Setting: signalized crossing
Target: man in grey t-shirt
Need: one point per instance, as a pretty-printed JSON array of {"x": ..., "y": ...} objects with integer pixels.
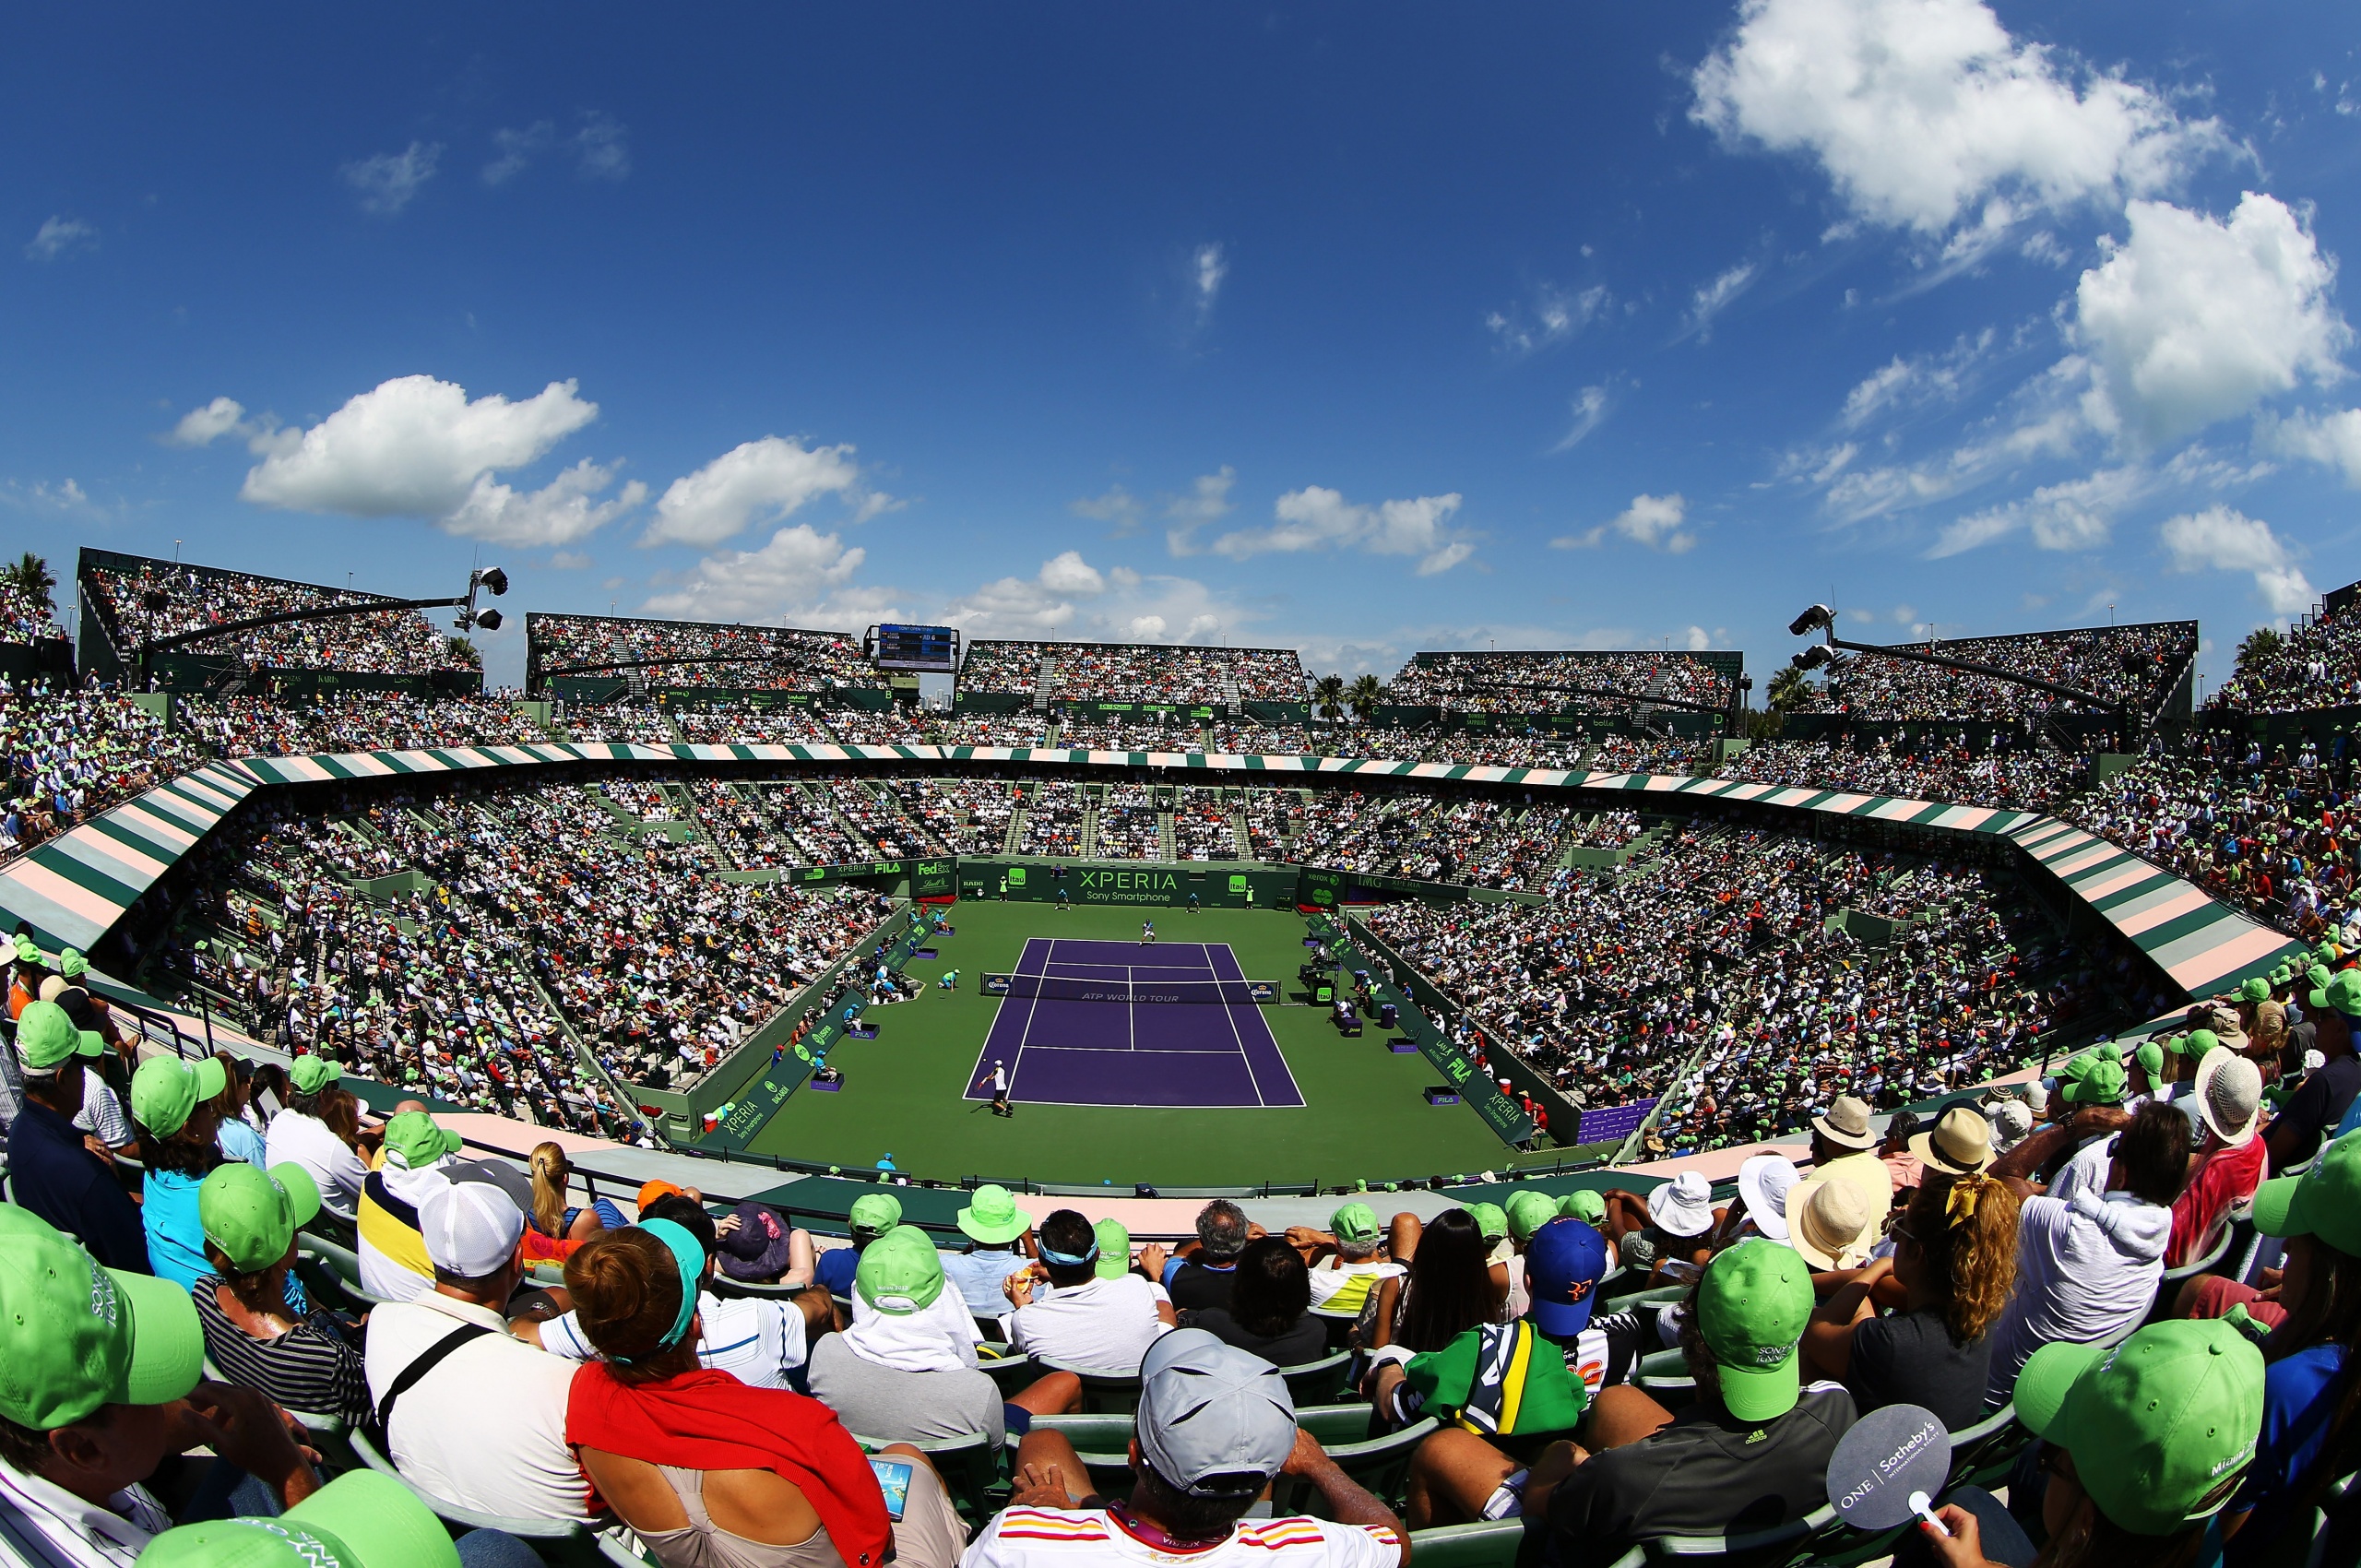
[{"x": 905, "y": 1371}]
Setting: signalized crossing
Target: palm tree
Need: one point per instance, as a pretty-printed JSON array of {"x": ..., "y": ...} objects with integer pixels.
[
  {"x": 32, "y": 576},
  {"x": 2262, "y": 647},
  {"x": 462, "y": 650},
  {"x": 1364, "y": 695},
  {"x": 1328, "y": 694},
  {"x": 1788, "y": 689}
]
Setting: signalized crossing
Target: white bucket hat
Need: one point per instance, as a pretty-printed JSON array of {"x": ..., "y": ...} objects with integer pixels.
[
  {"x": 1763, "y": 1184},
  {"x": 1683, "y": 1206}
]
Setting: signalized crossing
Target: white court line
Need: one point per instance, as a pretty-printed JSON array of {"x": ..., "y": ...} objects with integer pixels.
[{"x": 1231, "y": 1019}]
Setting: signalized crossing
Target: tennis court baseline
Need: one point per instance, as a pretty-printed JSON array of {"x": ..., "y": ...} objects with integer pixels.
[{"x": 1129, "y": 1048}]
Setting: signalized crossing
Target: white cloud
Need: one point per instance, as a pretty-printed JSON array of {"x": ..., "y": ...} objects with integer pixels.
[
  {"x": 2223, "y": 540},
  {"x": 1590, "y": 408},
  {"x": 2195, "y": 319},
  {"x": 61, "y": 236},
  {"x": 795, "y": 573},
  {"x": 388, "y": 181},
  {"x": 571, "y": 561},
  {"x": 1699, "y": 640},
  {"x": 1923, "y": 110},
  {"x": 202, "y": 427},
  {"x": 1208, "y": 267},
  {"x": 2331, "y": 440},
  {"x": 757, "y": 481},
  {"x": 1069, "y": 573},
  {"x": 1117, "y": 506},
  {"x": 412, "y": 447},
  {"x": 2076, "y": 514},
  {"x": 561, "y": 511},
  {"x": 602, "y": 147},
  {"x": 1918, "y": 380},
  {"x": 67, "y": 495},
  {"x": 1716, "y": 297},
  {"x": 1654, "y": 521},
  {"x": 1206, "y": 501},
  {"x": 518, "y": 148},
  {"x": 1317, "y": 517},
  {"x": 1554, "y": 315}
]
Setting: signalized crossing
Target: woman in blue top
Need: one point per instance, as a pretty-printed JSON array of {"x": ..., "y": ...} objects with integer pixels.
[
  {"x": 2311, "y": 1390},
  {"x": 172, "y": 1100}
]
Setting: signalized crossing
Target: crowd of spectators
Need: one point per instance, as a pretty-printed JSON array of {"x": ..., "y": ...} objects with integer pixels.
[
  {"x": 1712, "y": 975},
  {"x": 1010, "y": 729},
  {"x": 1630, "y": 753},
  {"x": 72, "y": 754},
  {"x": 2136, "y": 665},
  {"x": 533, "y": 926},
  {"x": 1247, "y": 738},
  {"x": 1554, "y": 683},
  {"x": 1203, "y": 826},
  {"x": 353, "y": 721},
  {"x": 396, "y": 642},
  {"x": 2316, "y": 665},
  {"x": 1113, "y": 734},
  {"x": 781, "y": 658},
  {"x": 2268, "y": 830},
  {"x": 23, "y": 617},
  {"x": 1928, "y": 767},
  {"x": 1156, "y": 673},
  {"x": 1053, "y": 819},
  {"x": 1129, "y": 827}
]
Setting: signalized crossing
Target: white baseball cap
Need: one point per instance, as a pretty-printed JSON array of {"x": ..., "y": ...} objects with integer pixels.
[{"x": 472, "y": 1228}]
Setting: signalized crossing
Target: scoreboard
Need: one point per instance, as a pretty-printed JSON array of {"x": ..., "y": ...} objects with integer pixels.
[{"x": 926, "y": 648}]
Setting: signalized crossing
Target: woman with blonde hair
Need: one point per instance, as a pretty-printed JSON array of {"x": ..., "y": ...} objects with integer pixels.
[
  {"x": 1956, "y": 1259},
  {"x": 551, "y": 1215}
]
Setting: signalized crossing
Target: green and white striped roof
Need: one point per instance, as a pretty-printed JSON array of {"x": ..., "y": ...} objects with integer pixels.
[{"x": 73, "y": 889}]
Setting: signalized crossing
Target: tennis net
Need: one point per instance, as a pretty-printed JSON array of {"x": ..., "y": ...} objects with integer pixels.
[{"x": 1059, "y": 987}]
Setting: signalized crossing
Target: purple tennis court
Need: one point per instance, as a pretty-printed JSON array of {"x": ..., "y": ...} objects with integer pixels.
[{"x": 1067, "y": 1050}]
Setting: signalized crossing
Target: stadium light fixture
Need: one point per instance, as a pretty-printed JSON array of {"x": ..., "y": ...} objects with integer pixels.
[
  {"x": 1812, "y": 620},
  {"x": 1813, "y": 656}
]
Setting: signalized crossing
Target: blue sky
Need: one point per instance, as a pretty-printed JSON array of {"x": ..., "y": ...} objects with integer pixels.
[{"x": 1360, "y": 328}]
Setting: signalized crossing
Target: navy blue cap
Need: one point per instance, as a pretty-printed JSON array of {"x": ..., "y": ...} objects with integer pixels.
[{"x": 1561, "y": 1255}]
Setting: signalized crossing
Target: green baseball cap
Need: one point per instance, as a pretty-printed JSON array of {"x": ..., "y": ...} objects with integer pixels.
[
  {"x": 45, "y": 1036},
  {"x": 1491, "y": 1219},
  {"x": 2341, "y": 993},
  {"x": 2256, "y": 989},
  {"x": 362, "y": 1519},
  {"x": 2324, "y": 1202},
  {"x": 2150, "y": 1057},
  {"x": 26, "y": 952},
  {"x": 416, "y": 1140},
  {"x": 2196, "y": 1043},
  {"x": 313, "y": 1074},
  {"x": 991, "y": 1215},
  {"x": 2156, "y": 1423},
  {"x": 875, "y": 1213},
  {"x": 166, "y": 1091},
  {"x": 1114, "y": 1249},
  {"x": 252, "y": 1213},
  {"x": 72, "y": 965},
  {"x": 1356, "y": 1223},
  {"x": 75, "y": 1335},
  {"x": 1586, "y": 1206},
  {"x": 1528, "y": 1212},
  {"x": 2319, "y": 975},
  {"x": 1752, "y": 1306},
  {"x": 899, "y": 1272},
  {"x": 2101, "y": 1083}
]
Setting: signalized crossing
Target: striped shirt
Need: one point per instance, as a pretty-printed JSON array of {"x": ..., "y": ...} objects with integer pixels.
[
  {"x": 311, "y": 1367},
  {"x": 1021, "y": 1538}
]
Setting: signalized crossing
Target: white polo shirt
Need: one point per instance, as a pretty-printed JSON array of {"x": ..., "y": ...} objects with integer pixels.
[
  {"x": 1104, "y": 1325},
  {"x": 307, "y": 1141},
  {"x": 486, "y": 1427}
]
